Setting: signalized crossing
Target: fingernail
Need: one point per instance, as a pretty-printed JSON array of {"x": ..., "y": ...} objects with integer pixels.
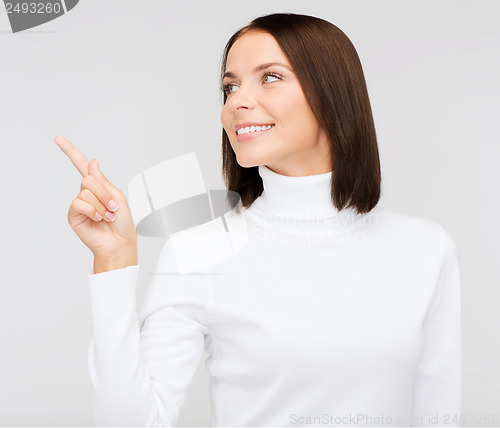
[
  {"x": 112, "y": 205},
  {"x": 110, "y": 216}
]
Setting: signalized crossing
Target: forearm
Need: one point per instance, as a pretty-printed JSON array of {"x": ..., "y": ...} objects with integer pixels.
[{"x": 121, "y": 389}]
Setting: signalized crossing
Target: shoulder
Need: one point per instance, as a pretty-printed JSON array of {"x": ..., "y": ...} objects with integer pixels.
[
  {"x": 412, "y": 234},
  {"x": 408, "y": 225}
]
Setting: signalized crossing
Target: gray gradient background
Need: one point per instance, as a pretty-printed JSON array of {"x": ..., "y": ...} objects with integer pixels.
[{"x": 135, "y": 83}]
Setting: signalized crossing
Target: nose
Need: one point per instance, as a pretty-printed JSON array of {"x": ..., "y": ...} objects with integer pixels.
[{"x": 243, "y": 98}]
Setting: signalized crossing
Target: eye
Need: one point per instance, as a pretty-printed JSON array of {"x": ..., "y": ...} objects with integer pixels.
[
  {"x": 274, "y": 75},
  {"x": 226, "y": 88}
]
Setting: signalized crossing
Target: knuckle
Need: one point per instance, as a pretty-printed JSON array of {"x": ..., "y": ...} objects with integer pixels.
[
  {"x": 85, "y": 193},
  {"x": 86, "y": 181},
  {"x": 72, "y": 208}
]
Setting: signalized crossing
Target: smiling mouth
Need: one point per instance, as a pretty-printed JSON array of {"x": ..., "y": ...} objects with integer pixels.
[
  {"x": 253, "y": 129},
  {"x": 254, "y": 134}
]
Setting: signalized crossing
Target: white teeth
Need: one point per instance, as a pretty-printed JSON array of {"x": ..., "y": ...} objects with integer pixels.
[{"x": 248, "y": 129}]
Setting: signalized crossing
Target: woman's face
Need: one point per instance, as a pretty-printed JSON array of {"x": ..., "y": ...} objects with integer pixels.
[{"x": 295, "y": 145}]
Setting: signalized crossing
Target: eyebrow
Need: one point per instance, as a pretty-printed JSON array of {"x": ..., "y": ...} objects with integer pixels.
[{"x": 259, "y": 68}]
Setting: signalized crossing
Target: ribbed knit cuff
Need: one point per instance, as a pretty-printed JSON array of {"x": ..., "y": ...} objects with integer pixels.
[{"x": 113, "y": 291}]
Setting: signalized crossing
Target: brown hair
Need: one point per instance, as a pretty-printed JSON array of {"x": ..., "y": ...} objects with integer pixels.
[{"x": 330, "y": 74}]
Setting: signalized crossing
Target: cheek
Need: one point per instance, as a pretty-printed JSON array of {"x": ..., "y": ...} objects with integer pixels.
[
  {"x": 224, "y": 117},
  {"x": 298, "y": 120},
  {"x": 226, "y": 120}
]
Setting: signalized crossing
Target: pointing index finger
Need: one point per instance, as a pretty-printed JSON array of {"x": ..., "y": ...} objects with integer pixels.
[{"x": 78, "y": 158}]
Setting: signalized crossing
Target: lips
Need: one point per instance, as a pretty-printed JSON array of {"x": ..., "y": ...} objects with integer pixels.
[
  {"x": 245, "y": 124},
  {"x": 253, "y": 135}
]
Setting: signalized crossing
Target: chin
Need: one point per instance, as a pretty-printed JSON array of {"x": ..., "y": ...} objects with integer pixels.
[
  {"x": 247, "y": 163},
  {"x": 251, "y": 158}
]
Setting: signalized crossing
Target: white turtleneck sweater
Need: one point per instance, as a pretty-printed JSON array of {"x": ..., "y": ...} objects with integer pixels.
[{"x": 323, "y": 318}]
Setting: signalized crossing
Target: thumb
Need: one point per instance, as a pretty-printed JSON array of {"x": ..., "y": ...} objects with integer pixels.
[
  {"x": 94, "y": 169},
  {"x": 96, "y": 172}
]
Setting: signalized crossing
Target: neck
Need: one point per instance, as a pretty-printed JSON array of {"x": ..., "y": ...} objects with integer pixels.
[{"x": 302, "y": 197}]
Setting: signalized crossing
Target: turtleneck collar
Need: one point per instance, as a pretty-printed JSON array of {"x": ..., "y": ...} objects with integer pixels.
[{"x": 303, "y": 197}]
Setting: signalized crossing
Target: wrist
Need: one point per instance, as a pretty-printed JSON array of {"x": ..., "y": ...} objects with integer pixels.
[{"x": 118, "y": 260}]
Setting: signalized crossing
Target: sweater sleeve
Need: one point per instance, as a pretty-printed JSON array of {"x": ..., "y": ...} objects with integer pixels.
[
  {"x": 437, "y": 388},
  {"x": 140, "y": 366}
]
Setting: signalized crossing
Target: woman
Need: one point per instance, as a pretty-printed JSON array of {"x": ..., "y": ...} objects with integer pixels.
[{"x": 336, "y": 312}]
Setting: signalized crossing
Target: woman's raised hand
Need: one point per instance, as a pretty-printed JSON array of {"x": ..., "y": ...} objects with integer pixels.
[{"x": 106, "y": 238}]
